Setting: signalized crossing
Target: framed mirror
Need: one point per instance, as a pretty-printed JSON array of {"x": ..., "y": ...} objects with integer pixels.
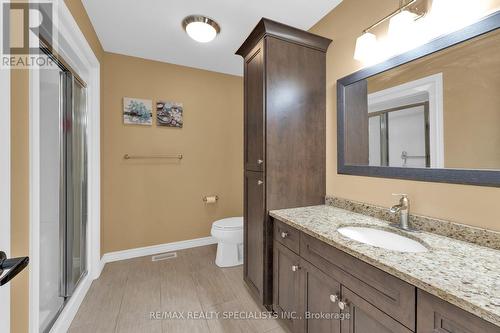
[{"x": 431, "y": 114}]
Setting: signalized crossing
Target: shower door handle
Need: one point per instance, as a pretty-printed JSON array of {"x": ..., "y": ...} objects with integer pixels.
[{"x": 14, "y": 265}]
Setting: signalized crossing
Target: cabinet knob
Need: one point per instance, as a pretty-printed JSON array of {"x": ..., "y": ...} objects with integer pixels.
[
  {"x": 295, "y": 268},
  {"x": 334, "y": 298},
  {"x": 284, "y": 234},
  {"x": 259, "y": 162},
  {"x": 260, "y": 182},
  {"x": 342, "y": 305}
]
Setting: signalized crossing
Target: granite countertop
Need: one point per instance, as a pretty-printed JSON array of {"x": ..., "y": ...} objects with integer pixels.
[{"x": 464, "y": 274}]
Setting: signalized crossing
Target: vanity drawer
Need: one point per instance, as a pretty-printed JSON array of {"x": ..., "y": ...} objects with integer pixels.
[
  {"x": 286, "y": 235},
  {"x": 386, "y": 292}
]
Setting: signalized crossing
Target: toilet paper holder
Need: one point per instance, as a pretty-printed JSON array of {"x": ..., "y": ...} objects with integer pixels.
[{"x": 210, "y": 199}]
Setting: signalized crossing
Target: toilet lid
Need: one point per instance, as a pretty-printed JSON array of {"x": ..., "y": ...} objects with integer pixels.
[{"x": 229, "y": 223}]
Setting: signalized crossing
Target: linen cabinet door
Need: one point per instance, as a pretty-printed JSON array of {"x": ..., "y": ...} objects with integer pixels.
[
  {"x": 286, "y": 286},
  {"x": 321, "y": 294},
  {"x": 254, "y": 109},
  {"x": 363, "y": 317},
  {"x": 254, "y": 230}
]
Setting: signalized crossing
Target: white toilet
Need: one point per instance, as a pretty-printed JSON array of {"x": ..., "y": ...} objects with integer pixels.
[{"x": 229, "y": 235}]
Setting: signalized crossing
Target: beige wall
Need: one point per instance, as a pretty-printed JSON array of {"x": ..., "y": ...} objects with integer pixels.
[
  {"x": 471, "y": 81},
  {"x": 148, "y": 202},
  {"x": 471, "y": 205},
  {"x": 20, "y": 173},
  {"x": 19, "y": 195}
]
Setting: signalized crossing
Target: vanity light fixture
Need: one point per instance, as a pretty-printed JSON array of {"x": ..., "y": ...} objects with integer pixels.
[
  {"x": 399, "y": 22},
  {"x": 201, "y": 28}
]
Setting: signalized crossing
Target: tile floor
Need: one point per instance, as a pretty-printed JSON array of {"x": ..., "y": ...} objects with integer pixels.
[{"x": 122, "y": 299}]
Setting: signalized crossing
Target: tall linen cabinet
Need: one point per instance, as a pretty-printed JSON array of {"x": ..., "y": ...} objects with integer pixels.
[{"x": 284, "y": 145}]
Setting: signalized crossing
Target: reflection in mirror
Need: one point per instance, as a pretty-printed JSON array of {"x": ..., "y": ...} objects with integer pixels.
[
  {"x": 399, "y": 125},
  {"x": 440, "y": 111}
]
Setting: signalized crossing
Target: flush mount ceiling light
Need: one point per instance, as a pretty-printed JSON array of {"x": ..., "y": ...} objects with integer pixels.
[{"x": 200, "y": 28}]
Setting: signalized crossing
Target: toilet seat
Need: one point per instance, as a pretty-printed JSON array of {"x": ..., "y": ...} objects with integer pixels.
[{"x": 230, "y": 223}]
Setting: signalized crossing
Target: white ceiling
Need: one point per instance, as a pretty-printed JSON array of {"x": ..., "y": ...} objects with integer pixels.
[{"x": 152, "y": 29}]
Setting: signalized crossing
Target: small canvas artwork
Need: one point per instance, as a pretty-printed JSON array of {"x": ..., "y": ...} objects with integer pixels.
[
  {"x": 137, "y": 111},
  {"x": 169, "y": 114}
]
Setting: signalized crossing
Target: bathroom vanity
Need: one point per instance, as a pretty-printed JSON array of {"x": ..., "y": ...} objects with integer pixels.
[
  {"x": 325, "y": 282},
  {"x": 393, "y": 121}
]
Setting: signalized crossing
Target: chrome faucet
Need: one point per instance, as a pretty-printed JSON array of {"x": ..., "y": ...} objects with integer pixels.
[{"x": 403, "y": 208}]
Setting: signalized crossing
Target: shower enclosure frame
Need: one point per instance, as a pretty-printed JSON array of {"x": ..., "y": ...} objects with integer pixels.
[
  {"x": 68, "y": 81},
  {"x": 73, "y": 47},
  {"x": 72, "y": 183}
]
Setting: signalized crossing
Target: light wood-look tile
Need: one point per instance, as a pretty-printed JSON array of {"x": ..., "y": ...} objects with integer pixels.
[
  {"x": 226, "y": 325},
  {"x": 185, "y": 326},
  {"x": 178, "y": 289},
  {"x": 100, "y": 326},
  {"x": 235, "y": 277},
  {"x": 130, "y": 327},
  {"x": 139, "y": 301},
  {"x": 278, "y": 329},
  {"x": 99, "y": 310},
  {"x": 212, "y": 286},
  {"x": 122, "y": 299}
]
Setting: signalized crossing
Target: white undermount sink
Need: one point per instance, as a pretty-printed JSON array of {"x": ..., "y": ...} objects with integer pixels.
[{"x": 382, "y": 238}]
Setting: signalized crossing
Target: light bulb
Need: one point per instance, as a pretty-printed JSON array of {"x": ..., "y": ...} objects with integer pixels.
[
  {"x": 449, "y": 15},
  {"x": 402, "y": 31},
  {"x": 366, "y": 46}
]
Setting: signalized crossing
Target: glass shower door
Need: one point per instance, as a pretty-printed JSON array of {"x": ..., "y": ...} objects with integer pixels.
[
  {"x": 76, "y": 187},
  {"x": 51, "y": 199},
  {"x": 63, "y": 190}
]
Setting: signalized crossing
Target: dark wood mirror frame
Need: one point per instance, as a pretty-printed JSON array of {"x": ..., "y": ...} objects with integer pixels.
[{"x": 456, "y": 176}]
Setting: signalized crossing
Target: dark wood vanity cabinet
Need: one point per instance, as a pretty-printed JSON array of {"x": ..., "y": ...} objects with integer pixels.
[
  {"x": 301, "y": 290},
  {"x": 254, "y": 109},
  {"x": 363, "y": 317},
  {"x": 318, "y": 301},
  {"x": 284, "y": 136},
  {"x": 253, "y": 269},
  {"x": 286, "y": 286},
  {"x": 437, "y": 316},
  {"x": 330, "y": 291}
]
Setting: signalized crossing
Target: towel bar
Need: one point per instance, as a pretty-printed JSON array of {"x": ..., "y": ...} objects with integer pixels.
[{"x": 130, "y": 157}]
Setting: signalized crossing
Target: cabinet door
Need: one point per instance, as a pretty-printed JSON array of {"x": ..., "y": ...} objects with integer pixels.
[
  {"x": 437, "y": 316},
  {"x": 362, "y": 317},
  {"x": 254, "y": 109},
  {"x": 254, "y": 232},
  {"x": 321, "y": 293},
  {"x": 286, "y": 286}
]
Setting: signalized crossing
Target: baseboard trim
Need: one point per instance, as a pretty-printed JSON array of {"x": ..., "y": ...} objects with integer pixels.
[
  {"x": 155, "y": 249},
  {"x": 69, "y": 311}
]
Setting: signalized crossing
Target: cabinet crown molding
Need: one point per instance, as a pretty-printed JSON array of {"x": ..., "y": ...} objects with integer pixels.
[{"x": 267, "y": 27}]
